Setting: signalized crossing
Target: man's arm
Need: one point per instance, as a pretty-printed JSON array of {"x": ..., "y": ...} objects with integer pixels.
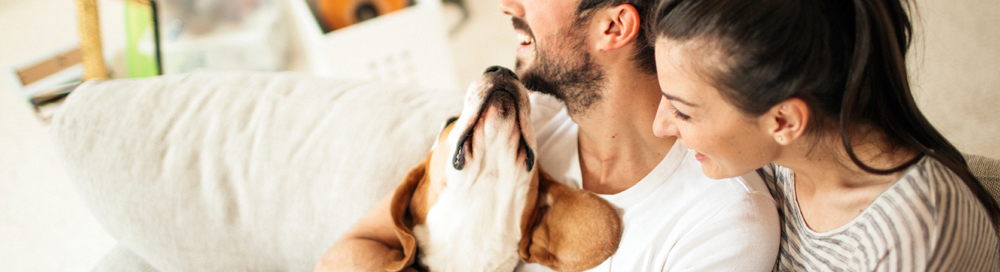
[{"x": 365, "y": 246}]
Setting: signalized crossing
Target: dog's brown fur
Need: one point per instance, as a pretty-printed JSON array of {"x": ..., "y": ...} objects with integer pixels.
[
  {"x": 576, "y": 230},
  {"x": 562, "y": 228}
]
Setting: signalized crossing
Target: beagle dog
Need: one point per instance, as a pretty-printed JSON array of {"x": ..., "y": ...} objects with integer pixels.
[{"x": 480, "y": 201}]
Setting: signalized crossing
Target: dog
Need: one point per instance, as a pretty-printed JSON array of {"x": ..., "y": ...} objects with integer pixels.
[{"x": 481, "y": 202}]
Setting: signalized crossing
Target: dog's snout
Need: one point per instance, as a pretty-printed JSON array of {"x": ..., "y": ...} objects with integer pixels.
[{"x": 500, "y": 69}]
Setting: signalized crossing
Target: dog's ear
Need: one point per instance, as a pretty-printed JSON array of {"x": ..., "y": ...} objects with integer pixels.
[
  {"x": 403, "y": 219},
  {"x": 532, "y": 214},
  {"x": 574, "y": 230},
  {"x": 534, "y": 245}
]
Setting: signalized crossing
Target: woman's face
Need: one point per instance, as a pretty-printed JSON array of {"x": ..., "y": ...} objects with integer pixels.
[{"x": 727, "y": 142}]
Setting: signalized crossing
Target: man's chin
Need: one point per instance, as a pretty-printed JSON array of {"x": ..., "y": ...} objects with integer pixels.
[
  {"x": 535, "y": 83},
  {"x": 534, "y": 79}
]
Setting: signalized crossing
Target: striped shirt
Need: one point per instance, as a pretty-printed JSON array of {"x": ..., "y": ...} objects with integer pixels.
[{"x": 928, "y": 220}]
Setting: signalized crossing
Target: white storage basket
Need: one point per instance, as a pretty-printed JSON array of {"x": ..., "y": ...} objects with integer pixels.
[{"x": 409, "y": 46}]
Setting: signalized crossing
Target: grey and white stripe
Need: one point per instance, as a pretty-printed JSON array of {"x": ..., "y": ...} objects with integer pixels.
[{"x": 927, "y": 221}]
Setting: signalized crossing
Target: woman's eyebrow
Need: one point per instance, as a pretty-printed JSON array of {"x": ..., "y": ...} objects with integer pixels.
[{"x": 674, "y": 98}]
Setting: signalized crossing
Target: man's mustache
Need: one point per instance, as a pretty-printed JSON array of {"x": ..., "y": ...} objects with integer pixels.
[{"x": 520, "y": 24}]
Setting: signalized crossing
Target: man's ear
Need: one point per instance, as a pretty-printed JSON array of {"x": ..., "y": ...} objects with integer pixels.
[
  {"x": 619, "y": 26},
  {"x": 788, "y": 120}
]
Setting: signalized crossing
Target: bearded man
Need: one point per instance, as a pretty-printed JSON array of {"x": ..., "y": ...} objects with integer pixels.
[{"x": 591, "y": 65}]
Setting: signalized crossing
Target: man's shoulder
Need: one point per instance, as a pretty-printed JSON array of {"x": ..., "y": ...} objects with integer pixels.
[
  {"x": 685, "y": 185},
  {"x": 690, "y": 216},
  {"x": 725, "y": 202},
  {"x": 718, "y": 200},
  {"x": 690, "y": 173}
]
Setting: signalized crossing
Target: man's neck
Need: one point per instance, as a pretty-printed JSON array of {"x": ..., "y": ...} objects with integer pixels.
[{"x": 616, "y": 142}]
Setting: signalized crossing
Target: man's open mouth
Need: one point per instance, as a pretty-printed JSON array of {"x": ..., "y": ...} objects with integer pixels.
[
  {"x": 524, "y": 34},
  {"x": 525, "y": 39}
]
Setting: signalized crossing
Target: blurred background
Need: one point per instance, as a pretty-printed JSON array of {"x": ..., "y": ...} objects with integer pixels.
[{"x": 45, "y": 227}]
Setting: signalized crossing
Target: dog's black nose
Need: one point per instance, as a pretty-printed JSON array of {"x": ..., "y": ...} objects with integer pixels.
[
  {"x": 493, "y": 68},
  {"x": 500, "y": 69}
]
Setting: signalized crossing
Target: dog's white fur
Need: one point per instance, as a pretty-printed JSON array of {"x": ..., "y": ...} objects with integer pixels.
[{"x": 482, "y": 205}]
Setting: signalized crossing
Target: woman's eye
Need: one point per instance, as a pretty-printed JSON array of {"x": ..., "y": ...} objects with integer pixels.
[{"x": 681, "y": 115}]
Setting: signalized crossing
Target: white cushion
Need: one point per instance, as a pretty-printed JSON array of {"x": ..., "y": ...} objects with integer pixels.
[
  {"x": 122, "y": 259},
  {"x": 223, "y": 171}
]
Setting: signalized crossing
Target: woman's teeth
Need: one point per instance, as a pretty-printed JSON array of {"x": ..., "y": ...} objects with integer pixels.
[{"x": 525, "y": 39}]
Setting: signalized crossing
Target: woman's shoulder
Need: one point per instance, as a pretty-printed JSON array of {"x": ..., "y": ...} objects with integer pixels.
[
  {"x": 943, "y": 188},
  {"x": 928, "y": 209},
  {"x": 961, "y": 231},
  {"x": 932, "y": 190}
]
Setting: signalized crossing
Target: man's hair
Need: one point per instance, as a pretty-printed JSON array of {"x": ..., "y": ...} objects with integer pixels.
[{"x": 644, "y": 54}]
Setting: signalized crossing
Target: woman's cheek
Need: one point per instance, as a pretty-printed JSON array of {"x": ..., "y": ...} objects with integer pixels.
[{"x": 682, "y": 128}]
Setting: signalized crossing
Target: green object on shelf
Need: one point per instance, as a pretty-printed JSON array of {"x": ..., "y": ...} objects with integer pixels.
[{"x": 141, "y": 41}]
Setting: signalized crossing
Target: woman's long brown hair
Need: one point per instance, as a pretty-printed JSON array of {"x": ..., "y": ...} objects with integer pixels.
[{"x": 845, "y": 58}]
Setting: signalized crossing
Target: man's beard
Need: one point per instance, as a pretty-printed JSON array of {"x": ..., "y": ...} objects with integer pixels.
[{"x": 575, "y": 79}]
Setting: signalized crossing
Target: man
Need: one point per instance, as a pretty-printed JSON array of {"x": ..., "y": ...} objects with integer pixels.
[{"x": 593, "y": 56}]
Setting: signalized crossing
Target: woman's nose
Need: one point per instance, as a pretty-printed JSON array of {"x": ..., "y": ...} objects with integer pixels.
[
  {"x": 664, "y": 124},
  {"x": 512, "y": 8},
  {"x": 665, "y": 129}
]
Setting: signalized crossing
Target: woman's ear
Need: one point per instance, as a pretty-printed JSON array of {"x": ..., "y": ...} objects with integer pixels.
[
  {"x": 619, "y": 26},
  {"x": 787, "y": 121}
]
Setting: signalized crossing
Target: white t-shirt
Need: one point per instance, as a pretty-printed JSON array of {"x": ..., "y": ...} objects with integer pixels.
[{"x": 676, "y": 218}]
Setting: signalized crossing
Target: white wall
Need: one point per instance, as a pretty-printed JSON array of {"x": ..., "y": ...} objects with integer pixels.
[
  {"x": 44, "y": 225},
  {"x": 956, "y": 71}
]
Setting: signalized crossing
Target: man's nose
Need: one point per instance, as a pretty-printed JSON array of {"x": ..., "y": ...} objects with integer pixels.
[{"x": 512, "y": 8}]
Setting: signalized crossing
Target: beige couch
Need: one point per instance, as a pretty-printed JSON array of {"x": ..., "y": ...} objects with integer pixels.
[
  {"x": 217, "y": 171},
  {"x": 224, "y": 171}
]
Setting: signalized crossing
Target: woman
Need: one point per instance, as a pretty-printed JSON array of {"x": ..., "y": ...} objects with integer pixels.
[{"x": 815, "y": 94}]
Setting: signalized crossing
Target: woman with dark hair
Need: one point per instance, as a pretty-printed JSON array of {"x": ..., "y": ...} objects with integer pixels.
[{"x": 814, "y": 96}]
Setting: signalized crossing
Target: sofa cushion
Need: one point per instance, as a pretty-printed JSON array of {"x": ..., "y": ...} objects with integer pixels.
[
  {"x": 987, "y": 170},
  {"x": 226, "y": 171},
  {"x": 122, "y": 259}
]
